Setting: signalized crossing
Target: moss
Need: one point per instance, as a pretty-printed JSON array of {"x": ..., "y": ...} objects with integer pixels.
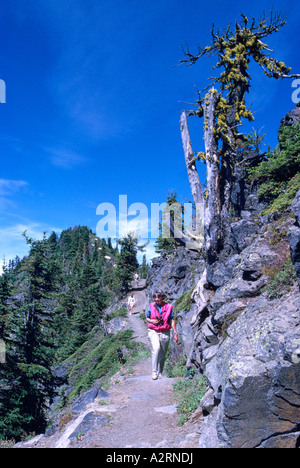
[
  {"x": 284, "y": 200},
  {"x": 184, "y": 302},
  {"x": 282, "y": 278}
]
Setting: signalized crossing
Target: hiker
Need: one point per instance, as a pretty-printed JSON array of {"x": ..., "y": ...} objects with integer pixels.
[
  {"x": 136, "y": 279},
  {"x": 160, "y": 318},
  {"x": 131, "y": 302}
]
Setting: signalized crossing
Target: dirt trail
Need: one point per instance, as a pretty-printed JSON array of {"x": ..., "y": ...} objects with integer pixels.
[{"x": 138, "y": 413}]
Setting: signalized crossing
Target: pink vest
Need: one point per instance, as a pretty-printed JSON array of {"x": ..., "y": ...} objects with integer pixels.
[{"x": 166, "y": 312}]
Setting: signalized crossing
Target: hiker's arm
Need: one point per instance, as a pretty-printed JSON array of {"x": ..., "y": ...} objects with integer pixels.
[
  {"x": 173, "y": 325},
  {"x": 149, "y": 319}
]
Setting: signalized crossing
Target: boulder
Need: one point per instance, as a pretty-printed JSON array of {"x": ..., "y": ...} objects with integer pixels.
[
  {"x": 243, "y": 233},
  {"x": 296, "y": 208},
  {"x": 87, "y": 398},
  {"x": 292, "y": 117},
  {"x": 255, "y": 377},
  {"x": 294, "y": 236},
  {"x": 91, "y": 422}
]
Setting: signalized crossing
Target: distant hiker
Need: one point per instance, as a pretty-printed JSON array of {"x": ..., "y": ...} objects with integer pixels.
[
  {"x": 136, "y": 279},
  {"x": 160, "y": 318},
  {"x": 131, "y": 302}
]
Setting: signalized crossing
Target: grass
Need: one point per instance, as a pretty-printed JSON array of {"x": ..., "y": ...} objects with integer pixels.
[
  {"x": 96, "y": 360},
  {"x": 281, "y": 278},
  {"x": 188, "y": 393},
  {"x": 185, "y": 302},
  {"x": 175, "y": 370}
]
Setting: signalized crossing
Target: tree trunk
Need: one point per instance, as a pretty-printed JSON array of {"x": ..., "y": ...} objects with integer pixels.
[
  {"x": 193, "y": 175},
  {"x": 213, "y": 233},
  {"x": 195, "y": 233},
  {"x": 228, "y": 160},
  {"x": 189, "y": 241}
]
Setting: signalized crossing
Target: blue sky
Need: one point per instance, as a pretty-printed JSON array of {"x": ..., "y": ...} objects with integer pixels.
[{"x": 93, "y": 101}]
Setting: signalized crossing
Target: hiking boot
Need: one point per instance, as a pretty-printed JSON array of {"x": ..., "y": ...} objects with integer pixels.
[{"x": 154, "y": 375}]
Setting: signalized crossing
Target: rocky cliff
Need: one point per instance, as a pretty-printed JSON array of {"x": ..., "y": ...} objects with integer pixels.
[
  {"x": 239, "y": 324},
  {"x": 245, "y": 335}
]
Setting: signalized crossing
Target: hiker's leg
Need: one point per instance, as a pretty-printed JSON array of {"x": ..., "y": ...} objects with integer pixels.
[
  {"x": 164, "y": 344},
  {"x": 154, "y": 340}
]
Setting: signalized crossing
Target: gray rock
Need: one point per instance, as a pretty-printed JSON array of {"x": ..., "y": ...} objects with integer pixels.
[
  {"x": 294, "y": 236},
  {"x": 282, "y": 441},
  {"x": 255, "y": 376},
  {"x": 230, "y": 309},
  {"x": 85, "y": 399},
  {"x": 91, "y": 422},
  {"x": 237, "y": 288},
  {"x": 219, "y": 273},
  {"x": 294, "y": 240},
  {"x": 243, "y": 233},
  {"x": 296, "y": 208},
  {"x": 207, "y": 402},
  {"x": 115, "y": 325},
  {"x": 292, "y": 117}
]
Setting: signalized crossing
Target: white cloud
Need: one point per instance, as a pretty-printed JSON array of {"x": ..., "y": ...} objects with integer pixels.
[
  {"x": 66, "y": 159},
  {"x": 8, "y": 187}
]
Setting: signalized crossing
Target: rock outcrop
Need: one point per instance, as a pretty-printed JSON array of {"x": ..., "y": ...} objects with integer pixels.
[
  {"x": 292, "y": 117},
  {"x": 294, "y": 236},
  {"x": 244, "y": 334},
  {"x": 239, "y": 322},
  {"x": 255, "y": 377}
]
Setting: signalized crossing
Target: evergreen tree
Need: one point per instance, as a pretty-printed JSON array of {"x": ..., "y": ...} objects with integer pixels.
[
  {"x": 279, "y": 172},
  {"x": 28, "y": 384},
  {"x": 49, "y": 303},
  {"x": 127, "y": 263},
  {"x": 5, "y": 292},
  {"x": 144, "y": 267},
  {"x": 174, "y": 212}
]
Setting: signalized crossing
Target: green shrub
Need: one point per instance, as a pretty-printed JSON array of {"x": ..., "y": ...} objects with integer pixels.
[
  {"x": 122, "y": 312},
  {"x": 282, "y": 278},
  {"x": 278, "y": 174},
  {"x": 184, "y": 302},
  {"x": 176, "y": 370},
  {"x": 100, "y": 360},
  {"x": 188, "y": 393}
]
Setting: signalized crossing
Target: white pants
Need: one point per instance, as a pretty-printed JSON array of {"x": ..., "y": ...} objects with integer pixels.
[{"x": 159, "y": 343}]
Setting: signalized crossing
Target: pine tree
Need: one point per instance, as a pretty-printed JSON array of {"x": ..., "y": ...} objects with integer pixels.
[
  {"x": 173, "y": 214},
  {"x": 279, "y": 172},
  {"x": 127, "y": 263},
  {"x": 28, "y": 384}
]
